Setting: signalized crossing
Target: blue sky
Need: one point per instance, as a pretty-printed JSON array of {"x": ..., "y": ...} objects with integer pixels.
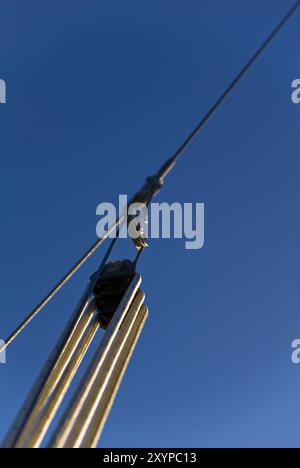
[{"x": 99, "y": 94}]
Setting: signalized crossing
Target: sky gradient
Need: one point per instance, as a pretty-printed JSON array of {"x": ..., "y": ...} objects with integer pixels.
[{"x": 99, "y": 94}]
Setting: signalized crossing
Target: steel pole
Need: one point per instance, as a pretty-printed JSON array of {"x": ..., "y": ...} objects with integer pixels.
[
  {"x": 109, "y": 393},
  {"x": 40, "y": 426},
  {"x": 72, "y": 420},
  {"x": 53, "y": 369}
]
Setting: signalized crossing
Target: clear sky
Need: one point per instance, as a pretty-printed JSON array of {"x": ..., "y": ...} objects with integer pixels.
[{"x": 99, "y": 94}]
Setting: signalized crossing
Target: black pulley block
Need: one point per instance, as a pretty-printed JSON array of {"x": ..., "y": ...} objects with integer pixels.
[{"x": 111, "y": 287}]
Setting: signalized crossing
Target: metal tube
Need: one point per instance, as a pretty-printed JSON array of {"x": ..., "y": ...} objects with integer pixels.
[
  {"x": 90, "y": 401},
  {"x": 53, "y": 368},
  {"x": 94, "y": 431},
  {"x": 72, "y": 414},
  {"x": 42, "y": 425}
]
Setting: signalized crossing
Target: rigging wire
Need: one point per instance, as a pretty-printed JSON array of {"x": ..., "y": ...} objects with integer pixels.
[
  {"x": 60, "y": 285},
  {"x": 235, "y": 82},
  {"x": 161, "y": 174},
  {"x": 168, "y": 166}
]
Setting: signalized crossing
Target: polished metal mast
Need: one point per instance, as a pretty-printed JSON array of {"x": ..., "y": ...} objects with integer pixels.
[{"x": 84, "y": 419}]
